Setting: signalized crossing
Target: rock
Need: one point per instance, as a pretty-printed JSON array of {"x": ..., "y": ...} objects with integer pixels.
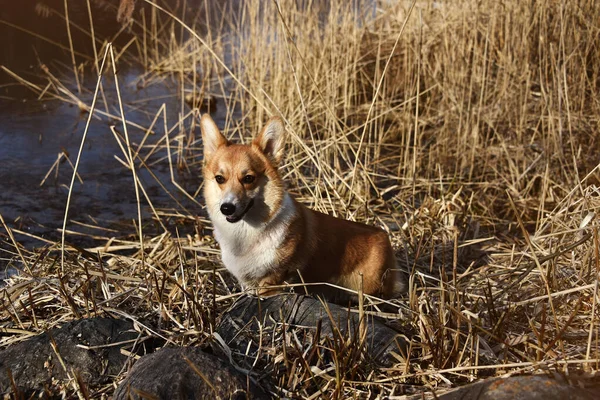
[
  {"x": 305, "y": 311},
  {"x": 528, "y": 387},
  {"x": 34, "y": 364},
  {"x": 185, "y": 373}
]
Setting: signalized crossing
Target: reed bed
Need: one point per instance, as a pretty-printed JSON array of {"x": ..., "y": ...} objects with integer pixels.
[{"x": 467, "y": 129}]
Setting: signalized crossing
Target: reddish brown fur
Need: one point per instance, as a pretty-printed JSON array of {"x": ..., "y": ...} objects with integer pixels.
[{"x": 337, "y": 251}]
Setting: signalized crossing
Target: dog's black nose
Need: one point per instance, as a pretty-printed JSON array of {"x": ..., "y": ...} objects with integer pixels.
[{"x": 227, "y": 208}]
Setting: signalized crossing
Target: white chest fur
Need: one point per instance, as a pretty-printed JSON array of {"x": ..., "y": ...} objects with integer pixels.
[{"x": 250, "y": 252}]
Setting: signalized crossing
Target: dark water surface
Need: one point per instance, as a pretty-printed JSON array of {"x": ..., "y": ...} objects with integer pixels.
[{"x": 34, "y": 132}]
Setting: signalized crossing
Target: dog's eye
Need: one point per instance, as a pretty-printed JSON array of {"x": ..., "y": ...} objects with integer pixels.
[
  {"x": 248, "y": 179},
  {"x": 220, "y": 179}
]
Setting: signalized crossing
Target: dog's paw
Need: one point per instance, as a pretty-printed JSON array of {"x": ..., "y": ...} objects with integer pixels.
[{"x": 267, "y": 288}]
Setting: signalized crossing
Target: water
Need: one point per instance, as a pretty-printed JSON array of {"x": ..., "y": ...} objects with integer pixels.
[{"x": 34, "y": 132}]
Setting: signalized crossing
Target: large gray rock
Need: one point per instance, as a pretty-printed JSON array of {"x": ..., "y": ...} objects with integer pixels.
[
  {"x": 240, "y": 324},
  {"x": 33, "y": 363},
  {"x": 185, "y": 373},
  {"x": 528, "y": 387}
]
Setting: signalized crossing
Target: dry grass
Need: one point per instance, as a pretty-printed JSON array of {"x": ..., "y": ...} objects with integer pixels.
[{"x": 466, "y": 128}]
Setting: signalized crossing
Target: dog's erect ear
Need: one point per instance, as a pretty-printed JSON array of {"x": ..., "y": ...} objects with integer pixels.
[
  {"x": 271, "y": 139},
  {"x": 212, "y": 138}
]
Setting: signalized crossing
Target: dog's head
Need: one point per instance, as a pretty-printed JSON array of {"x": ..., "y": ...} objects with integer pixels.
[{"x": 241, "y": 182}]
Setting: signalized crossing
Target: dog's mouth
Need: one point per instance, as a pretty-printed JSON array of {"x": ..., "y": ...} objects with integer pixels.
[{"x": 236, "y": 218}]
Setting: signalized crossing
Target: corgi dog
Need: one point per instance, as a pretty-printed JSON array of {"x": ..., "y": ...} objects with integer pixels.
[{"x": 267, "y": 238}]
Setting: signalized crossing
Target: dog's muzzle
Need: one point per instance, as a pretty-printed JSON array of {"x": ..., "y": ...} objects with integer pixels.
[{"x": 229, "y": 209}]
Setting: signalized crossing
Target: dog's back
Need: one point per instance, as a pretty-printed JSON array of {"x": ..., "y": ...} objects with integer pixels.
[{"x": 353, "y": 255}]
